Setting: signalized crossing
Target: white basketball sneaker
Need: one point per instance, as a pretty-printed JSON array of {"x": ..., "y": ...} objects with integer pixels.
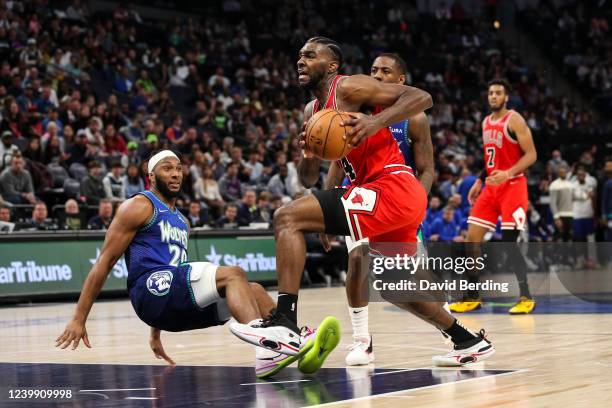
[
  {"x": 471, "y": 351},
  {"x": 275, "y": 332},
  {"x": 360, "y": 352}
]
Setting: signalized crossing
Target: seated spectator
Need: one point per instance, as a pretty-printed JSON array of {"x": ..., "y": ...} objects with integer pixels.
[
  {"x": 280, "y": 184},
  {"x": 7, "y": 149},
  {"x": 433, "y": 211},
  {"x": 264, "y": 211},
  {"x": 39, "y": 220},
  {"x": 230, "y": 219},
  {"x": 206, "y": 189},
  {"x": 445, "y": 229},
  {"x": 114, "y": 186},
  {"x": 16, "y": 183},
  {"x": 6, "y": 224},
  {"x": 33, "y": 151},
  {"x": 105, "y": 216},
  {"x": 195, "y": 215},
  {"x": 132, "y": 181},
  {"x": 248, "y": 207},
  {"x": 92, "y": 188},
  {"x": 254, "y": 167},
  {"x": 229, "y": 185},
  {"x": 71, "y": 219}
]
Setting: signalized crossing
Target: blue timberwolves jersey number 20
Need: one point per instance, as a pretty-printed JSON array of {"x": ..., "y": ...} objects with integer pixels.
[{"x": 161, "y": 244}]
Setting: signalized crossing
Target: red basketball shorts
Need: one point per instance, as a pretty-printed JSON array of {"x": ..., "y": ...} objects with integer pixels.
[
  {"x": 508, "y": 200},
  {"x": 389, "y": 209}
]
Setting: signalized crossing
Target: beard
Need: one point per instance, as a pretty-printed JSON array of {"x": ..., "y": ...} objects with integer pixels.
[
  {"x": 314, "y": 79},
  {"x": 164, "y": 190}
]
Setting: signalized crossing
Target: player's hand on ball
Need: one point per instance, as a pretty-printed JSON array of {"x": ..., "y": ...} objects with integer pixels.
[
  {"x": 302, "y": 142},
  {"x": 73, "y": 333},
  {"x": 497, "y": 177},
  {"x": 362, "y": 126},
  {"x": 158, "y": 349}
]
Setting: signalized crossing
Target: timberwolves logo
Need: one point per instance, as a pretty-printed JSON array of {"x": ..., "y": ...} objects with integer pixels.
[{"x": 159, "y": 283}]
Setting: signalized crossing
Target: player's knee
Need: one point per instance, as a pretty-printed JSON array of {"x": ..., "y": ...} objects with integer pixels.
[
  {"x": 284, "y": 218},
  {"x": 257, "y": 289},
  {"x": 233, "y": 274}
]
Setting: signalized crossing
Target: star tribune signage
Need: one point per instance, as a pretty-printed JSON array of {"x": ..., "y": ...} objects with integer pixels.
[{"x": 61, "y": 266}]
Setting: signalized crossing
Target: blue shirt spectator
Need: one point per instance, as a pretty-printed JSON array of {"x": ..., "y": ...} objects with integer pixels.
[{"x": 445, "y": 228}]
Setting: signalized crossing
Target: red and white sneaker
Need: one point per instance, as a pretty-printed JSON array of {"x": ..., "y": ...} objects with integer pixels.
[
  {"x": 361, "y": 352},
  {"x": 269, "y": 363},
  {"x": 471, "y": 351},
  {"x": 275, "y": 332}
]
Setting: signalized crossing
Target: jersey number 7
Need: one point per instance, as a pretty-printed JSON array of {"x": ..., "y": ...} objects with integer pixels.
[{"x": 490, "y": 157}]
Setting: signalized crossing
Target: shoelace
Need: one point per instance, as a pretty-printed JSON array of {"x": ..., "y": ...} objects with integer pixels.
[{"x": 270, "y": 319}]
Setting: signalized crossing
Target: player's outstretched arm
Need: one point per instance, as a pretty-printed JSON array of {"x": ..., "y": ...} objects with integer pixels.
[
  {"x": 400, "y": 101},
  {"x": 157, "y": 347},
  {"x": 519, "y": 127},
  {"x": 423, "y": 149},
  {"x": 130, "y": 216}
]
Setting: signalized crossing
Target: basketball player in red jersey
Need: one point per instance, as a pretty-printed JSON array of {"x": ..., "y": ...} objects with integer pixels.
[
  {"x": 371, "y": 208},
  {"x": 508, "y": 151}
]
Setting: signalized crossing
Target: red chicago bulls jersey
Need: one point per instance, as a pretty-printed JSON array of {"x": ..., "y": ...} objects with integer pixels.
[
  {"x": 376, "y": 155},
  {"x": 501, "y": 151}
]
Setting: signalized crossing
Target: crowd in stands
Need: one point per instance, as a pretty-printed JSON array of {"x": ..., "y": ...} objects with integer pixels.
[
  {"x": 87, "y": 97},
  {"x": 577, "y": 35}
]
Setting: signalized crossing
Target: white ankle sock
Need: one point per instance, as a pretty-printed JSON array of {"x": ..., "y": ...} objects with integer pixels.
[{"x": 359, "y": 320}]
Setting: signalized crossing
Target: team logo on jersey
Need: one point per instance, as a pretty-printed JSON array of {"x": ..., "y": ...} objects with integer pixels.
[{"x": 159, "y": 283}]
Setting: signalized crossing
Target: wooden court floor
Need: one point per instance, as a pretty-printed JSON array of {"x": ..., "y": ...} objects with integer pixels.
[{"x": 557, "y": 359}]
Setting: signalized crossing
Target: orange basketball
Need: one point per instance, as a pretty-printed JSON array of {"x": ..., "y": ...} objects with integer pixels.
[{"x": 324, "y": 135}]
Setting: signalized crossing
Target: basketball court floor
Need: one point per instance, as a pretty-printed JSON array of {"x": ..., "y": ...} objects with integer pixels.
[{"x": 559, "y": 356}]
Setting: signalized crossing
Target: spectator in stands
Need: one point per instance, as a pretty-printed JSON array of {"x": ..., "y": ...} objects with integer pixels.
[
  {"x": 279, "y": 184},
  {"x": 92, "y": 188},
  {"x": 467, "y": 181},
  {"x": 175, "y": 132},
  {"x": 433, "y": 210},
  {"x": 132, "y": 181},
  {"x": 105, "y": 216},
  {"x": 39, "y": 220},
  {"x": 206, "y": 189},
  {"x": 561, "y": 204},
  {"x": 16, "y": 182},
  {"x": 7, "y": 149},
  {"x": 114, "y": 186},
  {"x": 248, "y": 207},
  {"x": 264, "y": 211},
  {"x": 71, "y": 218},
  {"x": 230, "y": 219},
  {"x": 583, "y": 207},
  {"x": 557, "y": 161},
  {"x": 6, "y": 225},
  {"x": 195, "y": 215},
  {"x": 445, "y": 228},
  {"x": 33, "y": 151},
  {"x": 229, "y": 185},
  {"x": 254, "y": 166}
]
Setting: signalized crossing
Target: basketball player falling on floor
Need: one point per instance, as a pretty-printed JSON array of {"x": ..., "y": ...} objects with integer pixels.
[
  {"x": 414, "y": 141},
  {"x": 167, "y": 292},
  {"x": 508, "y": 151},
  {"x": 385, "y": 202}
]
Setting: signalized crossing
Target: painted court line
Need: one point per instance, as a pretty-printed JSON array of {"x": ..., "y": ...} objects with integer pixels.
[
  {"x": 120, "y": 389},
  {"x": 275, "y": 382},
  {"x": 394, "y": 393},
  {"x": 141, "y": 398}
]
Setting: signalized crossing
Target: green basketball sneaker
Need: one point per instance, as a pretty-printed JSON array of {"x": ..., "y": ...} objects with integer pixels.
[{"x": 326, "y": 339}]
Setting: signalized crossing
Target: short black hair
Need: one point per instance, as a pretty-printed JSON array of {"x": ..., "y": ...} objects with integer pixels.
[
  {"x": 332, "y": 45},
  {"x": 399, "y": 61},
  {"x": 502, "y": 82}
]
